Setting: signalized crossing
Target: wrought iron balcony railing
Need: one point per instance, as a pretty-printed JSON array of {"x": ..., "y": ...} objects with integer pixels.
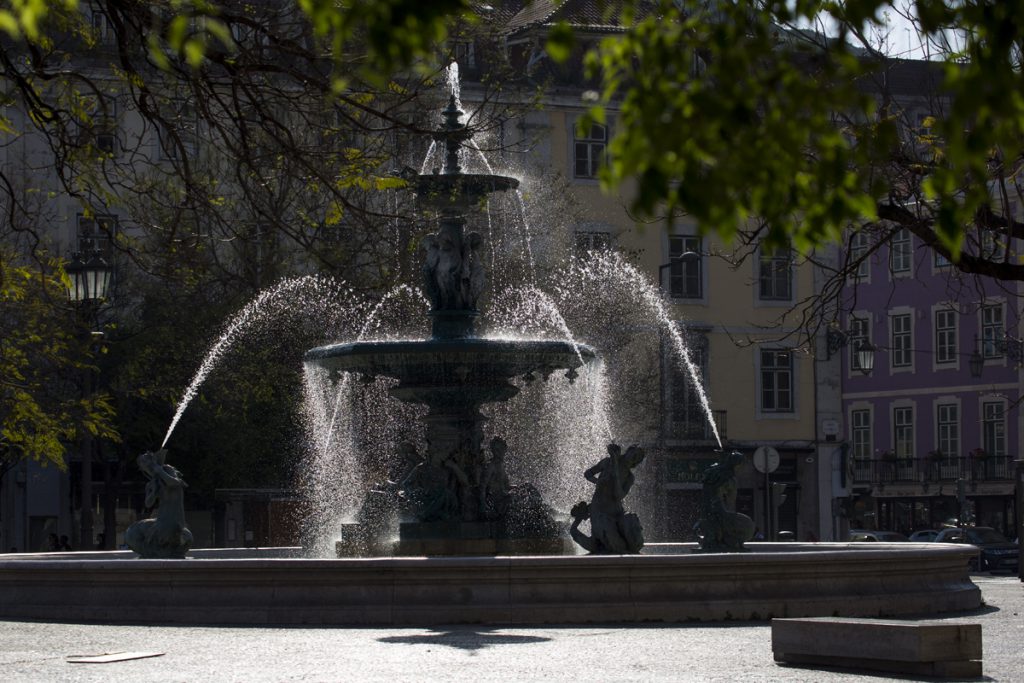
[{"x": 928, "y": 470}]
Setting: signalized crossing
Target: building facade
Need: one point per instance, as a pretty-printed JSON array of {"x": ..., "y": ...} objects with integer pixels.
[{"x": 933, "y": 428}]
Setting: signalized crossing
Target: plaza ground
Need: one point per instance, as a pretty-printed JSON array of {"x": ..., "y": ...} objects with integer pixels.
[{"x": 38, "y": 651}]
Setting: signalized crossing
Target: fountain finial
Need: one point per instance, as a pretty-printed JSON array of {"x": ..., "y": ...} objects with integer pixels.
[{"x": 452, "y": 132}]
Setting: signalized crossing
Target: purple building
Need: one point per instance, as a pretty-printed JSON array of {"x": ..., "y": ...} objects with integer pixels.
[{"x": 933, "y": 428}]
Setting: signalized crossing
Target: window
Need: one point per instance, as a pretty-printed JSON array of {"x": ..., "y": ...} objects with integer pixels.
[
  {"x": 96, "y": 233},
  {"x": 903, "y": 432},
  {"x": 900, "y": 340},
  {"x": 900, "y": 251},
  {"x": 590, "y": 241},
  {"x": 464, "y": 53},
  {"x": 99, "y": 127},
  {"x": 688, "y": 418},
  {"x": 776, "y": 381},
  {"x": 947, "y": 420},
  {"x": 685, "y": 276},
  {"x": 859, "y": 334},
  {"x": 859, "y": 245},
  {"x": 993, "y": 428},
  {"x": 775, "y": 276},
  {"x": 181, "y": 134},
  {"x": 941, "y": 261},
  {"x": 860, "y": 434},
  {"x": 945, "y": 337},
  {"x": 588, "y": 150},
  {"x": 992, "y": 330},
  {"x": 102, "y": 29}
]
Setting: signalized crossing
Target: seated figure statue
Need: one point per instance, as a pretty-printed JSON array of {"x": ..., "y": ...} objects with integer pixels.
[
  {"x": 722, "y": 529},
  {"x": 612, "y": 529},
  {"x": 165, "y": 536}
]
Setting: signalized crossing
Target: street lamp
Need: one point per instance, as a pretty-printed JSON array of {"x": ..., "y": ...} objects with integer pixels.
[
  {"x": 836, "y": 339},
  {"x": 677, "y": 262},
  {"x": 976, "y": 362},
  {"x": 90, "y": 282},
  {"x": 865, "y": 357}
]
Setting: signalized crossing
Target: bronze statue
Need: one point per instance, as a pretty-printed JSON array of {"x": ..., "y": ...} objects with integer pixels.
[
  {"x": 612, "y": 529},
  {"x": 494, "y": 484},
  {"x": 722, "y": 529},
  {"x": 165, "y": 536}
]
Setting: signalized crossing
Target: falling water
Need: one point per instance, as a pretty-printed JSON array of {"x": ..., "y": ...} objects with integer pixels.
[
  {"x": 569, "y": 420},
  {"x": 526, "y": 237},
  {"x": 335, "y": 475},
  {"x": 603, "y": 271},
  {"x": 425, "y": 166},
  {"x": 454, "y": 85},
  {"x": 268, "y": 303},
  {"x": 374, "y": 318}
]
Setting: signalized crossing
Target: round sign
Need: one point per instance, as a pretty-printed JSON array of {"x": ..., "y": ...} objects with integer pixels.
[{"x": 766, "y": 459}]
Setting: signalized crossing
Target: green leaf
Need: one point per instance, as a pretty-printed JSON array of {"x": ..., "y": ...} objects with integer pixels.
[{"x": 561, "y": 41}]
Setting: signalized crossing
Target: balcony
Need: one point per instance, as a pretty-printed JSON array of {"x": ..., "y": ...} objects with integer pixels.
[{"x": 927, "y": 470}]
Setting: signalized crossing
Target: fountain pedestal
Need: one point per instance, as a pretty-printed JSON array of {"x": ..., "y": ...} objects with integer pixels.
[{"x": 447, "y": 538}]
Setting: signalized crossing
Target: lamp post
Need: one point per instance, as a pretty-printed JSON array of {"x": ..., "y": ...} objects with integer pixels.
[
  {"x": 975, "y": 363},
  {"x": 90, "y": 281},
  {"x": 686, "y": 257}
]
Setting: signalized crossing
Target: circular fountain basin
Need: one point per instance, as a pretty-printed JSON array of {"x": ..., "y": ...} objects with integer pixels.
[
  {"x": 477, "y": 367},
  {"x": 671, "y": 584}
]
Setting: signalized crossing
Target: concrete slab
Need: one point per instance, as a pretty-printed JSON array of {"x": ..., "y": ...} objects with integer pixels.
[{"x": 900, "y": 647}]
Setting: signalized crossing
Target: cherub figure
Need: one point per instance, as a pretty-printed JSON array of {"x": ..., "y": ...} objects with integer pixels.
[{"x": 612, "y": 529}]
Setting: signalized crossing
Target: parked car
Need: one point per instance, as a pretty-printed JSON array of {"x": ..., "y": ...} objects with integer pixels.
[
  {"x": 995, "y": 552},
  {"x": 876, "y": 536},
  {"x": 924, "y": 536}
]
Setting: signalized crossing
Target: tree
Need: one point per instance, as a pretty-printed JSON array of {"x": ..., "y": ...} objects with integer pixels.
[
  {"x": 792, "y": 114},
  {"x": 213, "y": 151},
  {"x": 758, "y": 109},
  {"x": 42, "y": 407}
]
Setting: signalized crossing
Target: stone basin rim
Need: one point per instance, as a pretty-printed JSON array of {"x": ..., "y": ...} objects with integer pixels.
[
  {"x": 114, "y": 587},
  {"x": 677, "y": 552}
]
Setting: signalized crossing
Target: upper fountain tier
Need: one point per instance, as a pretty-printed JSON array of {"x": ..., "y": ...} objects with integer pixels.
[
  {"x": 455, "y": 367},
  {"x": 451, "y": 191}
]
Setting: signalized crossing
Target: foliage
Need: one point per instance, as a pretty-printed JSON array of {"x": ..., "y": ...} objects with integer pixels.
[
  {"x": 236, "y": 143},
  {"x": 42, "y": 410},
  {"x": 755, "y": 113}
]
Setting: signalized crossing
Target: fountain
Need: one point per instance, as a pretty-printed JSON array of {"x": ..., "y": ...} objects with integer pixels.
[
  {"x": 459, "y": 507},
  {"x": 453, "y": 374}
]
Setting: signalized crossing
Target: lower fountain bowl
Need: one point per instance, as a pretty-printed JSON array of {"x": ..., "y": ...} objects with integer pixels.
[{"x": 666, "y": 584}]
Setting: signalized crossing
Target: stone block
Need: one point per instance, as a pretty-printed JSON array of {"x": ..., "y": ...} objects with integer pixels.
[{"x": 901, "y": 647}]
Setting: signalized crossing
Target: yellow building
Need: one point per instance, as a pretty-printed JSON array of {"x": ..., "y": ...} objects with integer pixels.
[{"x": 739, "y": 309}]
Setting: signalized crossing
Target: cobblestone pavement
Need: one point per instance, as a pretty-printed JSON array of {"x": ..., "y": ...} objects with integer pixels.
[{"x": 36, "y": 651}]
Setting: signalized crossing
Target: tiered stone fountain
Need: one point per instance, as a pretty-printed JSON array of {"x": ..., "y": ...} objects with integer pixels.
[{"x": 453, "y": 509}]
